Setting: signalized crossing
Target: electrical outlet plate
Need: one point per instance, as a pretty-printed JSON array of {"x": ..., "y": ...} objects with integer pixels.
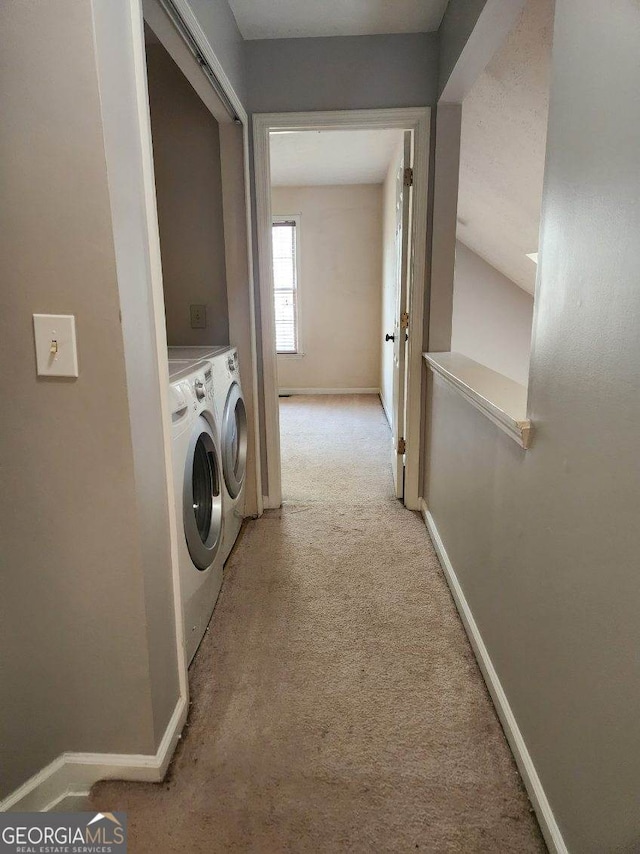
[
  {"x": 198, "y": 317},
  {"x": 56, "y": 350}
]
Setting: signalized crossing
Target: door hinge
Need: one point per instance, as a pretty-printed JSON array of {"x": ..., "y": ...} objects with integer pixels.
[
  {"x": 408, "y": 177},
  {"x": 402, "y": 446},
  {"x": 404, "y": 320}
]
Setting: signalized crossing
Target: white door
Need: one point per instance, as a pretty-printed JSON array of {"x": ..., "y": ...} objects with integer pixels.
[{"x": 404, "y": 181}]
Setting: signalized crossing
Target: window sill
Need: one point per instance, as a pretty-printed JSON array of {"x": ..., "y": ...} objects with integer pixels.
[
  {"x": 501, "y": 399},
  {"x": 290, "y": 355}
]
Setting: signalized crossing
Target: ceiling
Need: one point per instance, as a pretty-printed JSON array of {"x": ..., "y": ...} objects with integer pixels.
[
  {"x": 504, "y": 129},
  {"x": 278, "y": 19},
  {"x": 311, "y": 158}
]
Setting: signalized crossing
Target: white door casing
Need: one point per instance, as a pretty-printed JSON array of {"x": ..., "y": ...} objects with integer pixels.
[
  {"x": 416, "y": 120},
  {"x": 400, "y": 330}
]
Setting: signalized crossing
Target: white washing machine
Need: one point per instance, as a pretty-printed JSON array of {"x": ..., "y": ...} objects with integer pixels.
[
  {"x": 232, "y": 418},
  {"x": 198, "y": 478}
]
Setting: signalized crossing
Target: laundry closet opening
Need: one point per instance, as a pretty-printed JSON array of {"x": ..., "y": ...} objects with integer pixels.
[
  {"x": 337, "y": 256},
  {"x": 198, "y": 147}
]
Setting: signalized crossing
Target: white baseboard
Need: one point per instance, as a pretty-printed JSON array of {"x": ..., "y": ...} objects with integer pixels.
[
  {"x": 329, "y": 391},
  {"x": 72, "y": 775},
  {"x": 386, "y": 411},
  {"x": 538, "y": 798}
]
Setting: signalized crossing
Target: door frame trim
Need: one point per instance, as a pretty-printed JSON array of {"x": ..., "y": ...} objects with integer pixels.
[{"x": 416, "y": 119}]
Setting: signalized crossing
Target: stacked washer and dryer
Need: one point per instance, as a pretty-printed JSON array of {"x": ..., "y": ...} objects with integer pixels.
[{"x": 209, "y": 445}]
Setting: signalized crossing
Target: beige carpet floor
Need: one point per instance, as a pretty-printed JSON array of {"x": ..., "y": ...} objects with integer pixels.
[{"x": 336, "y": 703}]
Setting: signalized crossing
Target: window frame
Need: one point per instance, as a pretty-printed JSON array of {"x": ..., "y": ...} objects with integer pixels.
[{"x": 299, "y": 353}]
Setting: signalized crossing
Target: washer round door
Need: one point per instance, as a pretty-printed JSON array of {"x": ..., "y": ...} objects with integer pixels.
[
  {"x": 202, "y": 498},
  {"x": 234, "y": 441}
]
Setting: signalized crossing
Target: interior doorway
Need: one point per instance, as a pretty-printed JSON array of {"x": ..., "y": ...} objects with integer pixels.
[
  {"x": 341, "y": 240},
  {"x": 340, "y": 223}
]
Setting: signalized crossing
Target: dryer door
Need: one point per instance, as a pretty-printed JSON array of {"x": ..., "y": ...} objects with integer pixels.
[
  {"x": 234, "y": 440},
  {"x": 202, "y": 499}
]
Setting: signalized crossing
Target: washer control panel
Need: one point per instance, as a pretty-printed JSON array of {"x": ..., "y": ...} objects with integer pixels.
[
  {"x": 208, "y": 383},
  {"x": 203, "y": 386}
]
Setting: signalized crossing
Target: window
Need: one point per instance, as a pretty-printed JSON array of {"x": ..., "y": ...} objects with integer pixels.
[{"x": 285, "y": 283}]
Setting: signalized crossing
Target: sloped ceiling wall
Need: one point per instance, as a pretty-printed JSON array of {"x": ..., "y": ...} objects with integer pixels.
[
  {"x": 313, "y": 158},
  {"x": 266, "y": 19},
  {"x": 504, "y": 130}
]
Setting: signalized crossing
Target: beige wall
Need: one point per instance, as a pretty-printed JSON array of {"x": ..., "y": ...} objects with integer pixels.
[
  {"x": 545, "y": 542},
  {"x": 389, "y": 278},
  {"x": 75, "y": 654},
  {"x": 186, "y": 153},
  {"x": 340, "y": 286},
  {"x": 491, "y": 317}
]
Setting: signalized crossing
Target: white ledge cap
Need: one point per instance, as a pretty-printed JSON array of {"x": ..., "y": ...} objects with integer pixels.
[{"x": 501, "y": 399}]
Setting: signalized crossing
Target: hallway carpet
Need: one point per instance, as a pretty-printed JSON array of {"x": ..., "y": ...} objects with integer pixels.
[{"x": 336, "y": 703}]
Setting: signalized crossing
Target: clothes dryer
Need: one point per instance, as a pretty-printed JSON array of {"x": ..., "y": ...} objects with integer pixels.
[
  {"x": 198, "y": 479},
  {"x": 232, "y": 417}
]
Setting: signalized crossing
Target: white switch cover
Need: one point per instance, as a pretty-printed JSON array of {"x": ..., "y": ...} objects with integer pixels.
[{"x": 56, "y": 352}]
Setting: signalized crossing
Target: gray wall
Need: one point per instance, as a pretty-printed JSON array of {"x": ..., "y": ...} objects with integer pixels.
[
  {"x": 470, "y": 34},
  {"x": 443, "y": 205},
  {"x": 341, "y": 73},
  {"x": 217, "y": 20},
  {"x": 186, "y": 155},
  {"x": 75, "y": 665},
  {"x": 546, "y": 542},
  {"x": 459, "y": 19},
  {"x": 130, "y": 176},
  {"x": 491, "y": 317}
]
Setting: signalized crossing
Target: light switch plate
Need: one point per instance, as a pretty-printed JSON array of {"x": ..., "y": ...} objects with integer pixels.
[
  {"x": 56, "y": 351},
  {"x": 198, "y": 317}
]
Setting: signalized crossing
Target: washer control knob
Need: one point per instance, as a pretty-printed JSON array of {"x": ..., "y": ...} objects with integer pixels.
[{"x": 200, "y": 390}]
